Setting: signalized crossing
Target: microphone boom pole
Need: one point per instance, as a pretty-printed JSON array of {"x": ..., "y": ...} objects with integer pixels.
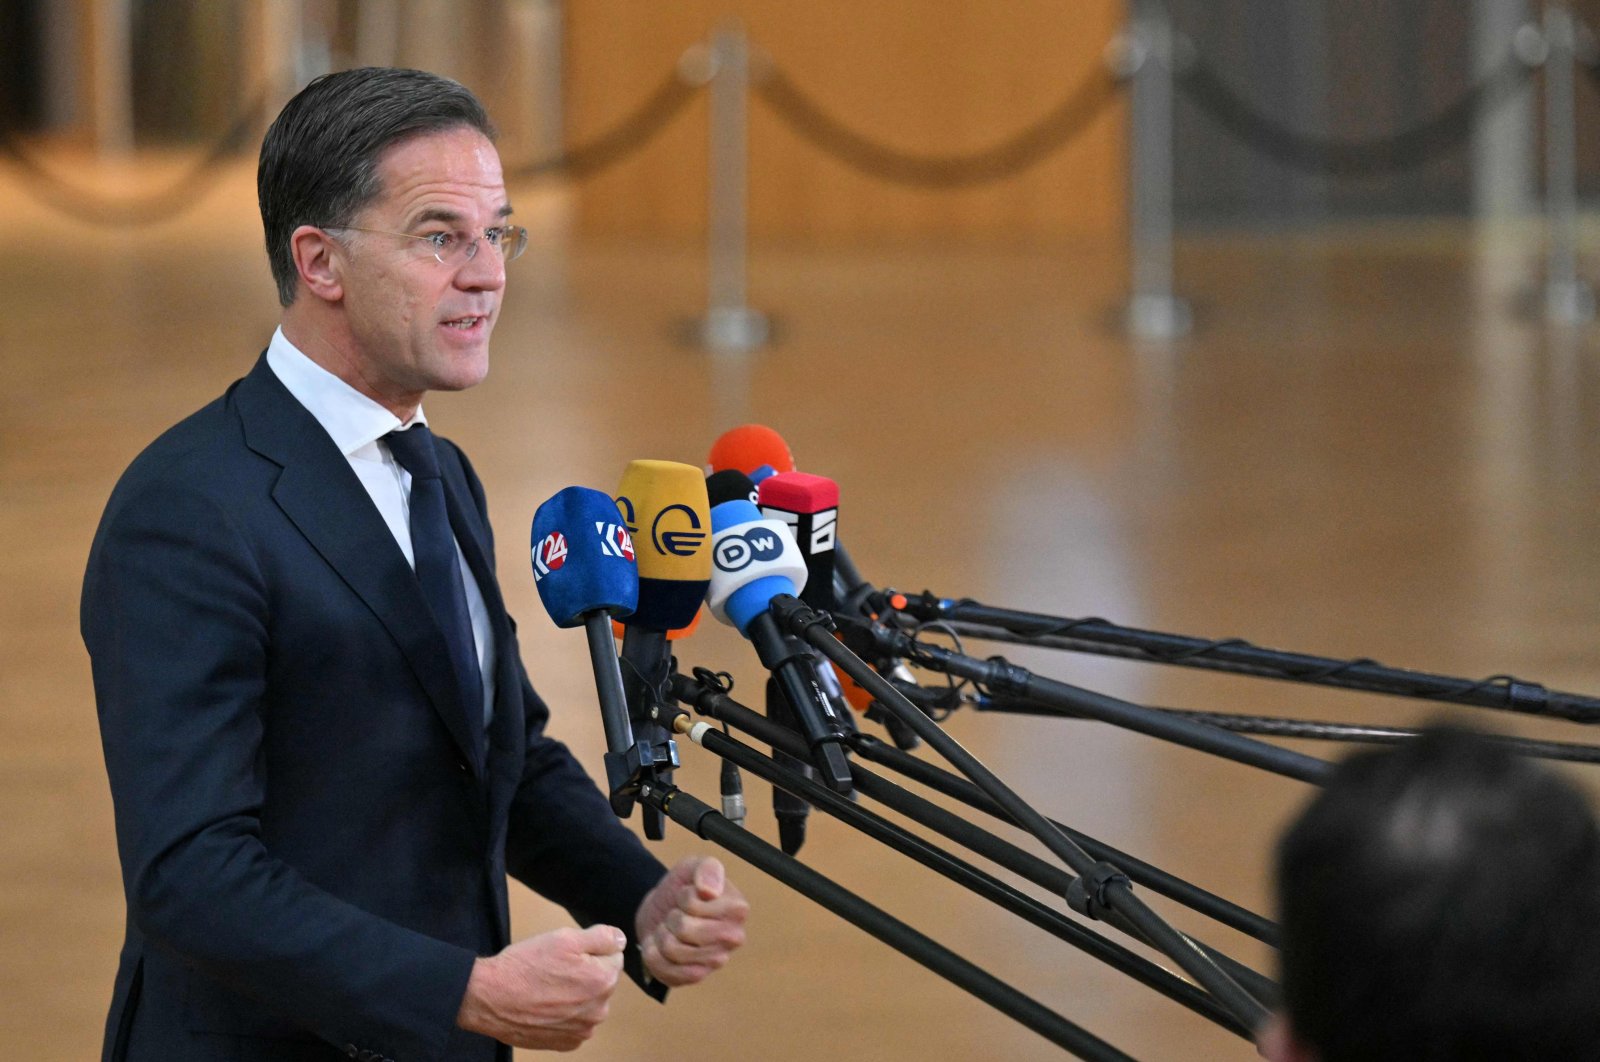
[
  {"x": 699, "y": 818},
  {"x": 710, "y": 700},
  {"x": 1241, "y": 657},
  {"x": 1100, "y": 887},
  {"x": 1003, "y": 678},
  {"x": 1312, "y": 730},
  {"x": 962, "y": 873}
]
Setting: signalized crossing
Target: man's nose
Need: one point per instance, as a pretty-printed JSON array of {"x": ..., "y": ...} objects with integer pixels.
[{"x": 485, "y": 270}]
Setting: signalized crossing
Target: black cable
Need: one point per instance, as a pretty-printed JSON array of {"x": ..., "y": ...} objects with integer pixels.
[
  {"x": 657, "y": 111},
  {"x": 1401, "y": 150},
  {"x": 701, "y": 820},
  {"x": 149, "y": 209},
  {"x": 1060, "y": 125}
]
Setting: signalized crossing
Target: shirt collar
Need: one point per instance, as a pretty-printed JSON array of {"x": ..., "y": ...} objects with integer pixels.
[{"x": 350, "y": 418}]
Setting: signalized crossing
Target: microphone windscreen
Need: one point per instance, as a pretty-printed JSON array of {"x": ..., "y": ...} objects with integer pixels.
[
  {"x": 729, "y": 485},
  {"x": 583, "y": 559},
  {"x": 666, "y": 508},
  {"x": 748, "y": 447},
  {"x": 618, "y": 630},
  {"x": 752, "y": 561},
  {"x": 798, "y": 492}
]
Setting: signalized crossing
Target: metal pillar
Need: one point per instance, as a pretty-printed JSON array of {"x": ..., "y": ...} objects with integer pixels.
[
  {"x": 1568, "y": 299},
  {"x": 1154, "y": 311},
  {"x": 730, "y": 324},
  {"x": 1503, "y": 160}
]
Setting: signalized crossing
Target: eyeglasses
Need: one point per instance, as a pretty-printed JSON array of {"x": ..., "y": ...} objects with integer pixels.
[{"x": 458, "y": 248}]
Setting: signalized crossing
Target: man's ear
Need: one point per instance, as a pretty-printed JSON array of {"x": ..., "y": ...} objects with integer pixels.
[
  {"x": 1276, "y": 1042},
  {"x": 320, "y": 261}
]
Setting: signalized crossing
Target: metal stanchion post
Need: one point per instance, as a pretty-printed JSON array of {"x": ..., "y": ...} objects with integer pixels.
[
  {"x": 1568, "y": 299},
  {"x": 729, "y": 325},
  {"x": 1147, "y": 55}
]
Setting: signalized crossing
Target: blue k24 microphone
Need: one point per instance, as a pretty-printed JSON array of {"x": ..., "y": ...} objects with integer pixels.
[{"x": 584, "y": 568}]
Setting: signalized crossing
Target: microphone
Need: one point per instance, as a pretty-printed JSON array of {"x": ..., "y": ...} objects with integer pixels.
[
  {"x": 665, "y": 506},
  {"x": 748, "y": 447},
  {"x": 729, "y": 485},
  {"x": 753, "y": 559},
  {"x": 668, "y": 511},
  {"x": 585, "y": 571},
  {"x": 809, "y": 505},
  {"x": 789, "y": 810}
]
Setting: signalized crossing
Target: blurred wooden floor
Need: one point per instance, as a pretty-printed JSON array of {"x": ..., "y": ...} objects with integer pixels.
[{"x": 1361, "y": 451}]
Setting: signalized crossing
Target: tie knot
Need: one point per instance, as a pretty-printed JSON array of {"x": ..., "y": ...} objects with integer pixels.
[{"x": 413, "y": 448}]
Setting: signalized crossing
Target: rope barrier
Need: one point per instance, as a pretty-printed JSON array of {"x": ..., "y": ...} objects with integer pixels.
[
  {"x": 1389, "y": 153},
  {"x": 811, "y": 121},
  {"x": 1064, "y": 122},
  {"x": 150, "y": 209},
  {"x": 657, "y": 111},
  {"x": 627, "y": 136}
]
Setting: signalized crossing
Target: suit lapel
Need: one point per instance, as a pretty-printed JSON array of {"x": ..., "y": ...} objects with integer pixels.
[{"x": 321, "y": 495}]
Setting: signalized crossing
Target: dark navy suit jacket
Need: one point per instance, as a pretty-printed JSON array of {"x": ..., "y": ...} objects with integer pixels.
[{"x": 314, "y": 832}]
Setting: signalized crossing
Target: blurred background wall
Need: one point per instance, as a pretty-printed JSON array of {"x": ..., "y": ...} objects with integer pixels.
[{"x": 935, "y": 79}]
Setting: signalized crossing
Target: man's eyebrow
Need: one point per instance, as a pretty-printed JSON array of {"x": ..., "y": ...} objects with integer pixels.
[{"x": 450, "y": 217}]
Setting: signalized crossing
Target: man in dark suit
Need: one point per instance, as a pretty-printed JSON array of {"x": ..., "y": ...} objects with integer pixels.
[{"x": 324, "y": 753}]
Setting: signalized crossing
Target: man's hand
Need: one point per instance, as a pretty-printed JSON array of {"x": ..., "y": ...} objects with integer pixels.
[
  {"x": 690, "y": 922},
  {"x": 547, "y": 992}
]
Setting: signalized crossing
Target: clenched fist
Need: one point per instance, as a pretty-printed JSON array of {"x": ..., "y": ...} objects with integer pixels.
[
  {"x": 547, "y": 992},
  {"x": 691, "y": 922}
]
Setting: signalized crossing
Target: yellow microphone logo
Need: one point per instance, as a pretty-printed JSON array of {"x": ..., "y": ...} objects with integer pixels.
[{"x": 664, "y": 505}]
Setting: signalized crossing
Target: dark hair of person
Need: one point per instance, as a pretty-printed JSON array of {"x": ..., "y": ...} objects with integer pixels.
[
  {"x": 319, "y": 159},
  {"x": 1441, "y": 901}
]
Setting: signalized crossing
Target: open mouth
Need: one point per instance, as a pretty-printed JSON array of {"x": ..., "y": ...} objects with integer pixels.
[{"x": 465, "y": 324}]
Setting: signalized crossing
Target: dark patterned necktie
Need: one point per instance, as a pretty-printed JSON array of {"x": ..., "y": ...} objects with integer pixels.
[{"x": 438, "y": 570}]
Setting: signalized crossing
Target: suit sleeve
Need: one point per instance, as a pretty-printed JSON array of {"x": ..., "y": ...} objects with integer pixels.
[
  {"x": 563, "y": 840},
  {"x": 175, "y": 617}
]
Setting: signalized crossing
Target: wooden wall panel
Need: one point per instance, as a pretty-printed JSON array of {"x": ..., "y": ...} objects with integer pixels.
[{"x": 928, "y": 78}]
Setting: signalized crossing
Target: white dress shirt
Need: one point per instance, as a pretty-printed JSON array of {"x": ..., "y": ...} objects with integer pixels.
[{"x": 356, "y": 423}]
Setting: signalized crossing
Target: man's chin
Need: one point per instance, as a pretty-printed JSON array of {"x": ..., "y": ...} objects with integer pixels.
[{"x": 461, "y": 367}]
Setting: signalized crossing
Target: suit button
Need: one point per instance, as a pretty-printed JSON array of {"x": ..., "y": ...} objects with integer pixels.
[{"x": 461, "y": 765}]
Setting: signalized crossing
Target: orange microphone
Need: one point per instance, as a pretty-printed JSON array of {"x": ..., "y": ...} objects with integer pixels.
[{"x": 747, "y": 448}]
